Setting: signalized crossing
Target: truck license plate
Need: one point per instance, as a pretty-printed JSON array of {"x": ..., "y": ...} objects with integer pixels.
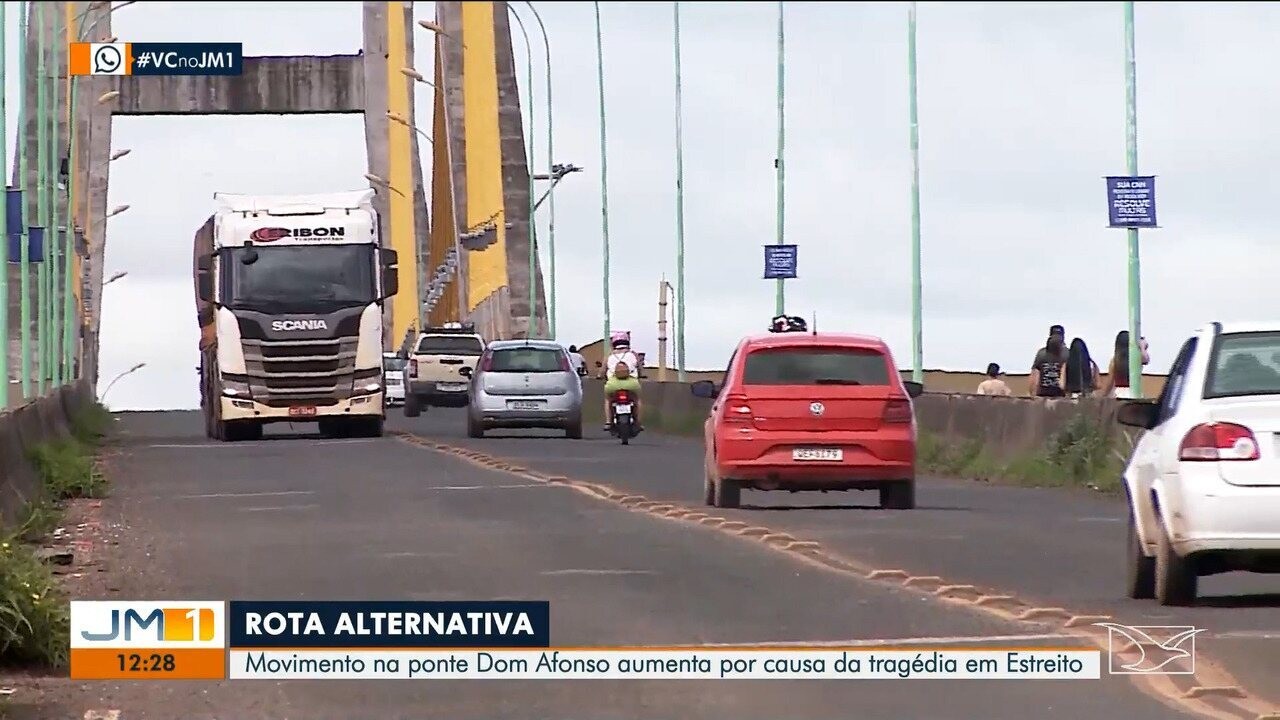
[
  {"x": 623, "y": 409},
  {"x": 302, "y": 411},
  {"x": 451, "y": 387},
  {"x": 823, "y": 454},
  {"x": 526, "y": 405}
]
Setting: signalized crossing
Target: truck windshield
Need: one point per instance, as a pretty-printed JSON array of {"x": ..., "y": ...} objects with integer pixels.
[{"x": 299, "y": 278}]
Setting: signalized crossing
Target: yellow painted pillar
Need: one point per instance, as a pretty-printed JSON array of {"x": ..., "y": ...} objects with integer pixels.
[
  {"x": 444, "y": 229},
  {"x": 487, "y": 269},
  {"x": 405, "y": 310}
]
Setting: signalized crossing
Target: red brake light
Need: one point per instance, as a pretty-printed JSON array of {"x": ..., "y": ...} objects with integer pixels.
[
  {"x": 413, "y": 368},
  {"x": 1218, "y": 441},
  {"x": 486, "y": 362},
  {"x": 622, "y": 396},
  {"x": 564, "y": 363},
  {"x": 897, "y": 412},
  {"x": 737, "y": 410}
]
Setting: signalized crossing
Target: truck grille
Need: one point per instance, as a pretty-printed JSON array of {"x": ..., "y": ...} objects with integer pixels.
[{"x": 300, "y": 372}]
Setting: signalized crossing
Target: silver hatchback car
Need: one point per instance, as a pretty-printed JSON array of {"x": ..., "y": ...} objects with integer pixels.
[{"x": 525, "y": 384}]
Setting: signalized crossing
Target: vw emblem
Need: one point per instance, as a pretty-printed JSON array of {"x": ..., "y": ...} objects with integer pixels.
[{"x": 817, "y": 408}]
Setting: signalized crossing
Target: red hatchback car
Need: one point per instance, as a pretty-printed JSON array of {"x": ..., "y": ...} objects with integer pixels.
[{"x": 811, "y": 412}]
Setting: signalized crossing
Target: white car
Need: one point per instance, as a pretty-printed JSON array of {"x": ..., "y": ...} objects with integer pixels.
[
  {"x": 1204, "y": 479},
  {"x": 393, "y": 371}
]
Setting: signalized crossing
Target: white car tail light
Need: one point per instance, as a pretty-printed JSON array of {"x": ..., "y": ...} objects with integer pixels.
[{"x": 1218, "y": 441}]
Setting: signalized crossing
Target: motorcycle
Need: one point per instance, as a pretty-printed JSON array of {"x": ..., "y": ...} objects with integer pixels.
[{"x": 623, "y": 421}]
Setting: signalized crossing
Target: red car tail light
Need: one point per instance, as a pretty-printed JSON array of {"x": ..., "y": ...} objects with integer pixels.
[
  {"x": 564, "y": 363},
  {"x": 737, "y": 409},
  {"x": 413, "y": 368},
  {"x": 1218, "y": 441},
  {"x": 897, "y": 412},
  {"x": 486, "y": 362}
]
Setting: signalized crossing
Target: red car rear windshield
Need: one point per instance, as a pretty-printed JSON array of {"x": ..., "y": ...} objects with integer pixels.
[{"x": 815, "y": 366}]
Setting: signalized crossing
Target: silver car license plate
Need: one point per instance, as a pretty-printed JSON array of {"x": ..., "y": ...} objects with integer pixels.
[{"x": 525, "y": 405}]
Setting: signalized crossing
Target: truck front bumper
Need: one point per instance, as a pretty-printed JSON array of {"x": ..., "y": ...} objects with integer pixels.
[{"x": 246, "y": 409}]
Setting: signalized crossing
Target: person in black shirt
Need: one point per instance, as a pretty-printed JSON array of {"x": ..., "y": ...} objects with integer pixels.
[{"x": 1046, "y": 374}]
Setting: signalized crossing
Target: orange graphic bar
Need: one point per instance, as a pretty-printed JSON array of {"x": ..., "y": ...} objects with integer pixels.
[
  {"x": 148, "y": 664},
  {"x": 79, "y": 58}
]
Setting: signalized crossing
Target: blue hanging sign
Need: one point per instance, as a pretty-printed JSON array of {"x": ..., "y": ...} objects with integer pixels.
[
  {"x": 13, "y": 210},
  {"x": 1131, "y": 201},
  {"x": 780, "y": 262}
]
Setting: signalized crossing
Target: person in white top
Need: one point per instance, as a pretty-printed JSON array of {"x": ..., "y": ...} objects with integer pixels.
[
  {"x": 622, "y": 353},
  {"x": 578, "y": 362}
]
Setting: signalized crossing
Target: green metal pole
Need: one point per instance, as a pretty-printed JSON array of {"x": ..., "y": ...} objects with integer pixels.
[
  {"x": 551, "y": 193},
  {"x": 4, "y": 220},
  {"x": 56, "y": 270},
  {"x": 917, "y": 310},
  {"x": 1131, "y": 147},
  {"x": 533, "y": 225},
  {"x": 782, "y": 133},
  {"x": 24, "y": 242},
  {"x": 69, "y": 324},
  {"x": 42, "y": 195},
  {"x": 680, "y": 369},
  {"x": 604, "y": 176}
]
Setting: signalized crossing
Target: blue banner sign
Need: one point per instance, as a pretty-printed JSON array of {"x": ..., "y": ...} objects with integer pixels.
[
  {"x": 13, "y": 210},
  {"x": 35, "y": 246},
  {"x": 1131, "y": 201},
  {"x": 780, "y": 262}
]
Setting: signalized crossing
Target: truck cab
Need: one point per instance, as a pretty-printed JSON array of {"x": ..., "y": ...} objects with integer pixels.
[
  {"x": 440, "y": 365},
  {"x": 290, "y": 293}
]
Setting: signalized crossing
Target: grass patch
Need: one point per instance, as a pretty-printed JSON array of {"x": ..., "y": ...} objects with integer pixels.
[
  {"x": 34, "y": 612},
  {"x": 1084, "y": 453}
]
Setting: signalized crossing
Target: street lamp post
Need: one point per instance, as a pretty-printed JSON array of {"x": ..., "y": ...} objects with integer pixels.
[
  {"x": 42, "y": 168},
  {"x": 917, "y": 310},
  {"x": 24, "y": 239},
  {"x": 532, "y": 330},
  {"x": 116, "y": 379},
  {"x": 604, "y": 175},
  {"x": 551, "y": 153},
  {"x": 1131, "y": 150},
  {"x": 680, "y": 370},
  {"x": 780, "y": 302}
]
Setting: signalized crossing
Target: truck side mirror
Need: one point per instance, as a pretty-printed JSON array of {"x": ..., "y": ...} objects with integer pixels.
[
  {"x": 204, "y": 278},
  {"x": 390, "y": 262}
]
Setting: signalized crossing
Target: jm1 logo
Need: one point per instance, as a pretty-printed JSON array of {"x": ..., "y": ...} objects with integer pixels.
[
  {"x": 171, "y": 625},
  {"x": 299, "y": 325}
]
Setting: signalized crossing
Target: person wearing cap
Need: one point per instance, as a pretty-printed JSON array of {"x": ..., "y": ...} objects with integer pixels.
[{"x": 993, "y": 385}]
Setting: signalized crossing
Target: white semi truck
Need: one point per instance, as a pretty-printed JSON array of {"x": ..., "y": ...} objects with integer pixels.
[{"x": 289, "y": 293}]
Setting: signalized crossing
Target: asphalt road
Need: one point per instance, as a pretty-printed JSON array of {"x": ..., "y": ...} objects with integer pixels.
[
  {"x": 301, "y": 517},
  {"x": 1057, "y": 547}
]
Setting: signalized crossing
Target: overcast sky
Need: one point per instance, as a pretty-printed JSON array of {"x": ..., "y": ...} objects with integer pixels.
[{"x": 1021, "y": 112}]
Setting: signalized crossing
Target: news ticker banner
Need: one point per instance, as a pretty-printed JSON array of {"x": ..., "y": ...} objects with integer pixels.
[
  {"x": 493, "y": 640},
  {"x": 156, "y": 58}
]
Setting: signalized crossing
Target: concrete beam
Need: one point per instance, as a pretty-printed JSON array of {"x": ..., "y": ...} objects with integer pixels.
[{"x": 270, "y": 85}]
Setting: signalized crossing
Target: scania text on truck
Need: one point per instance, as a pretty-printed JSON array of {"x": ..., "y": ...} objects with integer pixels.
[{"x": 289, "y": 293}]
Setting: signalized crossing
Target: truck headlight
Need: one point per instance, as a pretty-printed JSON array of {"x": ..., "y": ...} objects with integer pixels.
[
  {"x": 372, "y": 387},
  {"x": 235, "y": 388}
]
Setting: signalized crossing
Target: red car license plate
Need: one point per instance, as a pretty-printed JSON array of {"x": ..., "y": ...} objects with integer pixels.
[{"x": 302, "y": 411}]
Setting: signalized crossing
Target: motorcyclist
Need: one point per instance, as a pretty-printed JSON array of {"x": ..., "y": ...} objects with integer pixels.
[
  {"x": 620, "y": 341},
  {"x": 621, "y": 379}
]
